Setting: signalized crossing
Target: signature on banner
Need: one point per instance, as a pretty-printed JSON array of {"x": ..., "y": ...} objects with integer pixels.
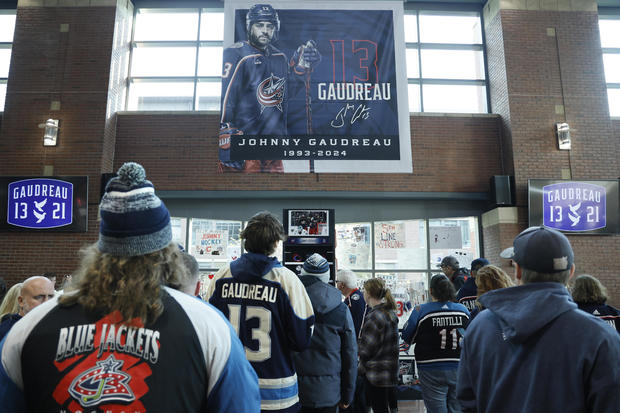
[{"x": 355, "y": 113}]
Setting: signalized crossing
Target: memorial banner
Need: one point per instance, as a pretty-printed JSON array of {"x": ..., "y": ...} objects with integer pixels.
[{"x": 314, "y": 87}]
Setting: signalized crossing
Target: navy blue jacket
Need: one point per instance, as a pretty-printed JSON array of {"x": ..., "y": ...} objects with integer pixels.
[
  {"x": 532, "y": 350},
  {"x": 356, "y": 303},
  {"x": 467, "y": 294},
  {"x": 7, "y": 322},
  {"x": 328, "y": 368}
]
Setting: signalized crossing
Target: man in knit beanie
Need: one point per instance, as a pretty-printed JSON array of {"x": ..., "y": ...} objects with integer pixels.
[
  {"x": 317, "y": 266},
  {"x": 118, "y": 339},
  {"x": 329, "y": 384}
]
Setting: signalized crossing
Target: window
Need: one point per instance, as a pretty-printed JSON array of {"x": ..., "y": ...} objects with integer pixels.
[
  {"x": 445, "y": 62},
  {"x": 177, "y": 56},
  {"x": 214, "y": 243},
  {"x": 7, "y": 27},
  {"x": 405, "y": 253},
  {"x": 609, "y": 27},
  {"x": 176, "y": 59}
]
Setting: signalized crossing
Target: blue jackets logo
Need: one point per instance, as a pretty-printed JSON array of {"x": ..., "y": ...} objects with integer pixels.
[
  {"x": 105, "y": 382},
  {"x": 574, "y": 206},
  {"x": 270, "y": 92},
  {"x": 40, "y": 203}
]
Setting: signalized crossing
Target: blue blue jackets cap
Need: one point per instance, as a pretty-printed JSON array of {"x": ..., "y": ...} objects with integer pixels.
[
  {"x": 543, "y": 249},
  {"x": 479, "y": 263}
]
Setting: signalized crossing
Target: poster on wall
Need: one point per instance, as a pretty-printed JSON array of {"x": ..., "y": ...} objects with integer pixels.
[
  {"x": 314, "y": 87},
  {"x": 576, "y": 207},
  {"x": 445, "y": 237},
  {"x": 211, "y": 243}
]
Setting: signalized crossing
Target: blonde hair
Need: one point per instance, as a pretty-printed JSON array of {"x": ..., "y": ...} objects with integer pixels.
[
  {"x": 10, "y": 305},
  {"x": 375, "y": 287},
  {"x": 490, "y": 278},
  {"x": 131, "y": 285}
]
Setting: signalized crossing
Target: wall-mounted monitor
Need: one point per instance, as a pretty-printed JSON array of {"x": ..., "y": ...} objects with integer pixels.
[
  {"x": 309, "y": 226},
  {"x": 44, "y": 204},
  {"x": 578, "y": 207}
]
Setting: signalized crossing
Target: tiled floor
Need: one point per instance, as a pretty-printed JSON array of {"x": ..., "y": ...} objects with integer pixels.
[{"x": 411, "y": 406}]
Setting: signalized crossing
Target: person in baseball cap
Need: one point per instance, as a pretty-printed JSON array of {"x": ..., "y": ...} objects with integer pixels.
[
  {"x": 534, "y": 333},
  {"x": 541, "y": 250},
  {"x": 450, "y": 267}
]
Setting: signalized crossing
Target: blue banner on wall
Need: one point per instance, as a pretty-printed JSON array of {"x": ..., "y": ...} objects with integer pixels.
[
  {"x": 40, "y": 203},
  {"x": 575, "y": 206},
  {"x": 43, "y": 204},
  {"x": 314, "y": 88}
]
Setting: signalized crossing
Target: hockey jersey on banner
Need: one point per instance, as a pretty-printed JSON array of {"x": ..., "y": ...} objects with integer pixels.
[
  {"x": 254, "y": 89},
  {"x": 268, "y": 306},
  {"x": 63, "y": 359}
]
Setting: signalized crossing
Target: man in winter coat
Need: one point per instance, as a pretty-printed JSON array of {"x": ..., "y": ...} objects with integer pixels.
[
  {"x": 328, "y": 368},
  {"x": 533, "y": 350}
]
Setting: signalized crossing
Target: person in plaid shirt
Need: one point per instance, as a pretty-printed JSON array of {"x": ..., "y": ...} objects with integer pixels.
[{"x": 378, "y": 345}]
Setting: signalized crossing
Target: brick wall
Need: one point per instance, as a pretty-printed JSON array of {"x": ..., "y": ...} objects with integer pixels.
[
  {"x": 544, "y": 71},
  {"x": 71, "y": 66},
  {"x": 179, "y": 151},
  {"x": 546, "y": 67}
]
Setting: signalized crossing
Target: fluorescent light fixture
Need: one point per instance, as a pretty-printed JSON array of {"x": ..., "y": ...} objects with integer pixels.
[
  {"x": 562, "y": 131},
  {"x": 50, "y": 136}
]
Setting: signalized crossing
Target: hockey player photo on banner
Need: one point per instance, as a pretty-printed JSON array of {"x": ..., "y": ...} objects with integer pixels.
[{"x": 314, "y": 87}]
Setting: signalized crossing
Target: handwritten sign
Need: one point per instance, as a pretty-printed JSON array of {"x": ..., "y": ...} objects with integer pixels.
[
  {"x": 391, "y": 236},
  {"x": 212, "y": 243}
]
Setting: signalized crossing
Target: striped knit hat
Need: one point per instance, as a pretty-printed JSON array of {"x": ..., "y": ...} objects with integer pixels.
[
  {"x": 134, "y": 221},
  {"x": 316, "y": 265}
]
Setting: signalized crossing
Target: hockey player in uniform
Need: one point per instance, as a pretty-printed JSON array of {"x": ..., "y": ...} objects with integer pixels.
[
  {"x": 119, "y": 340},
  {"x": 254, "y": 87},
  {"x": 269, "y": 308},
  {"x": 437, "y": 328}
]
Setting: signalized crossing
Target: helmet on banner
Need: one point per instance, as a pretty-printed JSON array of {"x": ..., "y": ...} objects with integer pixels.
[{"x": 262, "y": 12}]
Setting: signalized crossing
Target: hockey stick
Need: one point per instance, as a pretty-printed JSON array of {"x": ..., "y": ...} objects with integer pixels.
[{"x": 308, "y": 112}]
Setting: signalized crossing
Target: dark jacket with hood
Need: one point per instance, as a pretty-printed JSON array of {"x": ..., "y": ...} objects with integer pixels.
[
  {"x": 533, "y": 351},
  {"x": 270, "y": 310},
  {"x": 328, "y": 368}
]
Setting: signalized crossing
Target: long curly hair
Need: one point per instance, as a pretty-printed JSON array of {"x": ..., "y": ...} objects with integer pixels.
[
  {"x": 588, "y": 290},
  {"x": 490, "y": 278},
  {"x": 131, "y": 285}
]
